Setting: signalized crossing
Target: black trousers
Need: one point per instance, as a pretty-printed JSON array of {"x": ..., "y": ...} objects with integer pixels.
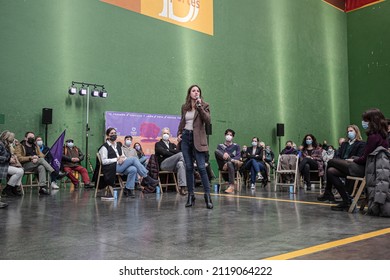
[
  {"x": 305, "y": 166},
  {"x": 337, "y": 169}
]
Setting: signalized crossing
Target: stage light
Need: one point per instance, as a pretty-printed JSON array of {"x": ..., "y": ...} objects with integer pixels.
[
  {"x": 103, "y": 93},
  {"x": 95, "y": 92},
  {"x": 72, "y": 90},
  {"x": 83, "y": 91}
]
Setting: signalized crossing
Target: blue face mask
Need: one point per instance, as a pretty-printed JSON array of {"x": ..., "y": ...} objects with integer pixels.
[
  {"x": 351, "y": 135},
  {"x": 254, "y": 144},
  {"x": 364, "y": 125},
  {"x": 309, "y": 142}
]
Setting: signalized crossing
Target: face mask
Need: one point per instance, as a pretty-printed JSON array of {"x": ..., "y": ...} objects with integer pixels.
[
  {"x": 309, "y": 142},
  {"x": 288, "y": 147},
  {"x": 165, "y": 136},
  {"x": 70, "y": 145},
  {"x": 31, "y": 140},
  {"x": 330, "y": 151},
  {"x": 137, "y": 148},
  {"x": 113, "y": 137},
  {"x": 244, "y": 149},
  {"x": 268, "y": 150},
  {"x": 40, "y": 143},
  {"x": 128, "y": 143},
  {"x": 228, "y": 138},
  {"x": 364, "y": 125},
  {"x": 351, "y": 135},
  {"x": 254, "y": 144}
]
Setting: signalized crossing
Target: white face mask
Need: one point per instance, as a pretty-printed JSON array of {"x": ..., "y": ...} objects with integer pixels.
[
  {"x": 228, "y": 138},
  {"x": 165, "y": 137},
  {"x": 40, "y": 143},
  {"x": 128, "y": 143},
  {"x": 70, "y": 145}
]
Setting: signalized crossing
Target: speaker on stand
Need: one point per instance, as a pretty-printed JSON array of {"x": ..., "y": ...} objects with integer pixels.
[
  {"x": 47, "y": 118},
  {"x": 280, "y": 133}
]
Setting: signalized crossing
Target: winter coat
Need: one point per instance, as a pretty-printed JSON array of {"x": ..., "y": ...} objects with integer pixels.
[
  {"x": 5, "y": 156},
  {"x": 378, "y": 182}
]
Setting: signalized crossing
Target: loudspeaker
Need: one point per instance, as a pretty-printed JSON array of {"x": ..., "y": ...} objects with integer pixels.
[
  {"x": 280, "y": 129},
  {"x": 47, "y": 115}
]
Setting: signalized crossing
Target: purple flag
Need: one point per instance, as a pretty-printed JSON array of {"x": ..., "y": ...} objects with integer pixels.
[{"x": 56, "y": 152}]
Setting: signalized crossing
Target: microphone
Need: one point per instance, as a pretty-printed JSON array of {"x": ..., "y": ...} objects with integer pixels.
[{"x": 198, "y": 102}]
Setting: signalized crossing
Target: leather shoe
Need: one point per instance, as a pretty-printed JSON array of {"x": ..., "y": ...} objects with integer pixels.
[
  {"x": 61, "y": 175},
  {"x": 342, "y": 206},
  {"x": 326, "y": 197},
  {"x": 129, "y": 193}
]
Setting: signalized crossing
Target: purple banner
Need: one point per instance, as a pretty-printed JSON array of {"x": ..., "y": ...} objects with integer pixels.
[
  {"x": 143, "y": 127},
  {"x": 56, "y": 151}
]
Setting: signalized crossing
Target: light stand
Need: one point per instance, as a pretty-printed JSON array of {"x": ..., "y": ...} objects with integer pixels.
[{"x": 102, "y": 94}]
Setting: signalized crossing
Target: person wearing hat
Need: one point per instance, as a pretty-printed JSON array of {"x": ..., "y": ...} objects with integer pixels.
[{"x": 71, "y": 159}]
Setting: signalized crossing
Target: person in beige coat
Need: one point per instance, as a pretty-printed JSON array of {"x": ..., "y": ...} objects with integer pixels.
[{"x": 195, "y": 115}]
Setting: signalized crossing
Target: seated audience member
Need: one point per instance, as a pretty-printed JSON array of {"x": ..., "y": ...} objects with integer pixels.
[
  {"x": 375, "y": 126},
  {"x": 32, "y": 159},
  {"x": 9, "y": 165},
  {"x": 288, "y": 163},
  {"x": 127, "y": 149},
  {"x": 351, "y": 149},
  {"x": 228, "y": 158},
  {"x": 289, "y": 149},
  {"x": 140, "y": 153},
  {"x": 255, "y": 162},
  {"x": 71, "y": 161},
  {"x": 269, "y": 157},
  {"x": 171, "y": 159},
  {"x": 114, "y": 161},
  {"x": 311, "y": 159},
  {"x": 327, "y": 155},
  {"x": 337, "y": 152},
  {"x": 48, "y": 157}
]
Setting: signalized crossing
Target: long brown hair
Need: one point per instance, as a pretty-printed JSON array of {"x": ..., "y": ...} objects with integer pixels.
[
  {"x": 376, "y": 122},
  {"x": 188, "y": 104}
]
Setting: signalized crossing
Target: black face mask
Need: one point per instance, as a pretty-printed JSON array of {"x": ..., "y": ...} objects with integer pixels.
[
  {"x": 288, "y": 147},
  {"x": 30, "y": 140},
  {"x": 113, "y": 137}
]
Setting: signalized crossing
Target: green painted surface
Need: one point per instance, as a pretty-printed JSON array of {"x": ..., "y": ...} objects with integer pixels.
[
  {"x": 269, "y": 62},
  {"x": 369, "y": 60}
]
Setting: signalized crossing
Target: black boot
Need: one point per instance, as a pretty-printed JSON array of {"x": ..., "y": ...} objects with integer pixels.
[
  {"x": 17, "y": 191},
  {"x": 7, "y": 191},
  {"x": 207, "y": 199},
  {"x": 190, "y": 200}
]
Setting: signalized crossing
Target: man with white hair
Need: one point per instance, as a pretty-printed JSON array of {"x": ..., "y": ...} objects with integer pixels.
[{"x": 171, "y": 159}]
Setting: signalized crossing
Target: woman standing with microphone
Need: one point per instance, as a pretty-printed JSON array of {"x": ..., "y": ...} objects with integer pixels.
[{"x": 195, "y": 115}]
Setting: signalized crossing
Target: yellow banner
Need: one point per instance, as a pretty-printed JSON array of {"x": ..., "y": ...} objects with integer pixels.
[{"x": 193, "y": 14}]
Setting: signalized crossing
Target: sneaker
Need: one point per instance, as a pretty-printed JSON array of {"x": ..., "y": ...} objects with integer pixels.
[
  {"x": 253, "y": 186},
  {"x": 43, "y": 191},
  {"x": 259, "y": 177},
  {"x": 54, "y": 186},
  {"x": 107, "y": 198},
  {"x": 88, "y": 186},
  {"x": 230, "y": 190}
]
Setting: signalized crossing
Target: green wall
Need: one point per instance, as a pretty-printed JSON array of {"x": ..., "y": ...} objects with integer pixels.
[
  {"x": 269, "y": 61},
  {"x": 369, "y": 60}
]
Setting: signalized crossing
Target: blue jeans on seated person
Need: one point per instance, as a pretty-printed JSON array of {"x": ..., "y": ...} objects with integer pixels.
[
  {"x": 255, "y": 167},
  {"x": 130, "y": 167}
]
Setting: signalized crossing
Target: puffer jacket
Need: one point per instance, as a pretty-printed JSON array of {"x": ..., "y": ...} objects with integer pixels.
[{"x": 378, "y": 182}]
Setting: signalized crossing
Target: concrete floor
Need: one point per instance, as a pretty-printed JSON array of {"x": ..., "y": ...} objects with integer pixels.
[{"x": 73, "y": 225}]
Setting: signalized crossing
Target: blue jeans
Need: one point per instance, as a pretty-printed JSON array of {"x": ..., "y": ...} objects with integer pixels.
[
  {"x": 255, "y": 167},
  {"x": 190, "y": 153},
  {"x": 130, "y": 167}
]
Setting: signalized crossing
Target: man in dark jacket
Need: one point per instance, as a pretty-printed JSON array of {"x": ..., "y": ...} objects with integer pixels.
[{"x": 171, "y": 159}]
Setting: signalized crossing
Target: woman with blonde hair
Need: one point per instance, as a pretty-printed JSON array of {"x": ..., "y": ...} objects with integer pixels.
[{"x": 9, "y": 165}]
